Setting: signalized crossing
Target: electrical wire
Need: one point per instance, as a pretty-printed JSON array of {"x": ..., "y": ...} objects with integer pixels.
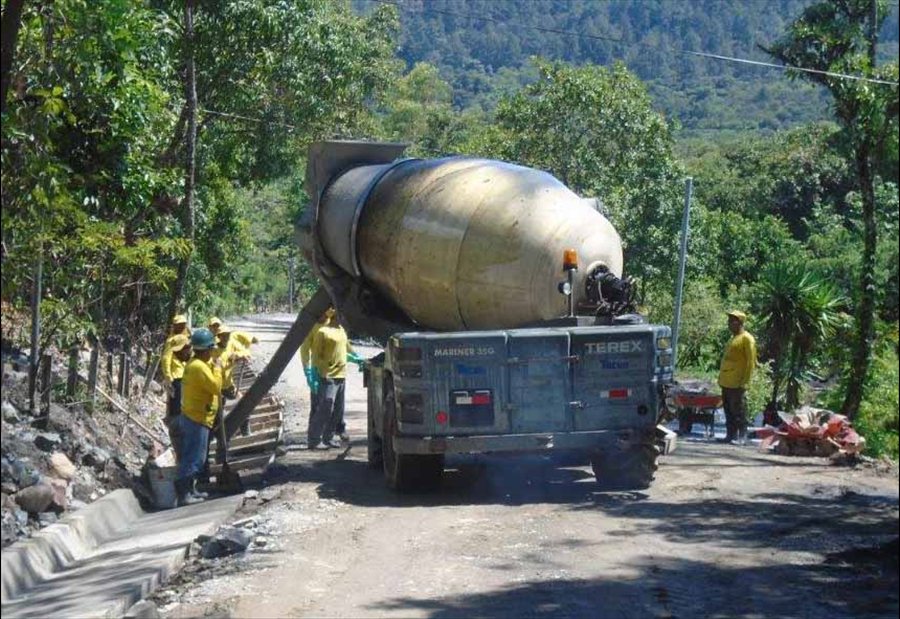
[{"x": 597, "y": 37}]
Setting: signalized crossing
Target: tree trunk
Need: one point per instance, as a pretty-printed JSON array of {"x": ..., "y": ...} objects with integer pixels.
[
  {"x": 865, "y": 313},
  {"x": 190, "y": 104},
  {"x": 12, "y": 20}
]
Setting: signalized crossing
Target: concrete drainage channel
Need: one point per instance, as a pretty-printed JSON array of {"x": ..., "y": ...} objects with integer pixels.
[{"x": 101, "y": 560}]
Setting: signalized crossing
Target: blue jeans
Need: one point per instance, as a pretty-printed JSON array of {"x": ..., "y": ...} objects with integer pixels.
[{"x": 194, "y": 446}]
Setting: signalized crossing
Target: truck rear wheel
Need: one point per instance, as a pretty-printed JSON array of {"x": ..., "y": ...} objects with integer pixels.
[
  {"x": 404, "y": 472},
  {"x": 633, "y": 469}
]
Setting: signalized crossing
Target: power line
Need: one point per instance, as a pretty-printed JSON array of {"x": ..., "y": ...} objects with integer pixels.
[{"x": 678, "y": 50}]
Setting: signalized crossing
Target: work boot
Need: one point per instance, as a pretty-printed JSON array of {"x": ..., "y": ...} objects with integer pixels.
[
  {"x": 183, "y": 488},
  {"x": 197, "y": 493},
  {"x": 335, "y": 444}
]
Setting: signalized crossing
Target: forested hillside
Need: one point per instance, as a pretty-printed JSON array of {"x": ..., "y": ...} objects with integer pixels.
[{"x": 484, "y": 59}]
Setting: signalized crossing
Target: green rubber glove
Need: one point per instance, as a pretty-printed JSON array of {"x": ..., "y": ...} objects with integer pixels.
[{"x": 352, "y": 357}]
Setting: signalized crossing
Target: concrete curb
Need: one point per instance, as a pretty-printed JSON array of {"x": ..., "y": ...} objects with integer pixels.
[
  {"x": 33, "y": 560},
  {"x": 101, "y": 560}
]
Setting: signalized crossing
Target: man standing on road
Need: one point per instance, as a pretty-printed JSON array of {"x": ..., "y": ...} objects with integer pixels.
[
  {"x": 737, "y": 367},
  {"x": 202, "y": 390},
  {"x": 329, "y": 352}
]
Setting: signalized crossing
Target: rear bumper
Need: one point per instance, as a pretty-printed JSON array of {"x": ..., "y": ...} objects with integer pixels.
[{"x": 512, "y": 443}]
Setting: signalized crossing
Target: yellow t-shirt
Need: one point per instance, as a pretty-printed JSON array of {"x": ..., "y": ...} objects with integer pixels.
[
  {"x": 201, "y": 390},
  {"x": 329, "y": 352},
  {"x": 738, "y": 361},
  {"x": 171, "y": 367},
  {"x": 306, "y": 346},
  {"x": 242, "y": 338}
]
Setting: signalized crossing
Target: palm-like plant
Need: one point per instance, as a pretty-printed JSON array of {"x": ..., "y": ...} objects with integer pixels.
[{"x": 799, "y": 309}]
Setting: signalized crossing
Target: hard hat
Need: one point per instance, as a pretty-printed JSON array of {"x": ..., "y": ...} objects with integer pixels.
[
  {"x": 180, "y": 319},
  {"x": 215, "y": 320},
  {"x": 178, "y": 342},
  {"x": 223, "y": 329},
  {"x": 737, "y": 314},
  {"x": 203, "y": 339}
]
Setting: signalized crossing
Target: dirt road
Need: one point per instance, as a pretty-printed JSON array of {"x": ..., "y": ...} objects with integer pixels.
[{"x": 725, "y": 531}]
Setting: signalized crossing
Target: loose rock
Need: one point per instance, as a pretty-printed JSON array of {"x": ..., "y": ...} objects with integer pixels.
[
  {"x": 10, "y": 414},
  {"x": 36, "y": 499},
  {"x": 25, "y": 474},
  {"x": 48, "y": 441},
  {"x": 96, "y": 458},
  {"x": 227, "y": 541},
  {"x": 145, "y": 609},
  {"x": 61, "y": 466},
  {"x": 60, "y": 498}
]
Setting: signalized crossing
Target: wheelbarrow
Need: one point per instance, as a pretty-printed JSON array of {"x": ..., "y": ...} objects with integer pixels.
[{"x": 696, "y": 406}]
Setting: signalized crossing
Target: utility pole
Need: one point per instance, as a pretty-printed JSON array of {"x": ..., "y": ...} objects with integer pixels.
[{"x": 682, "y": 261}]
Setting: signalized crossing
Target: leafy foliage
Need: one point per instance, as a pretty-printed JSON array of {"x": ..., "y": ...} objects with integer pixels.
[{"x": 798, "y": 309}]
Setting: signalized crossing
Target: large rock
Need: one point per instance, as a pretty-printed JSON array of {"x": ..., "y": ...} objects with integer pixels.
[
  {"x": 48, "y": 441},
  {"x": 10, "y": 414},
  {"x": 61, "y": 466},
  {"x": 6, "y": 502},
  {"x": 36, "y": 499},
  {"x": 227, "y": 541}
]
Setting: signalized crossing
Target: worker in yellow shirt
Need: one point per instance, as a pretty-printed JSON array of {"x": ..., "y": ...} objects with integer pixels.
[
  {"x": 176, "y": 354},
  {"x": 737, "y": 367},
  {"x": 329, "y": 352},
  {"x": 201, "y": 393},
  {"x": 309, "y": 370},
  {"x": 172, "y": 366},
  {"x": 213, "y": 325}
]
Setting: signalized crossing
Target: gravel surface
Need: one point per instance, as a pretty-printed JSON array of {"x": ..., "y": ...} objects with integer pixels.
[{"x": 724, "y": 531}]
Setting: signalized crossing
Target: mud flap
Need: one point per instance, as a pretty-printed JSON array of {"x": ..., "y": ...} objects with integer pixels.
[{"x": 666, "y": 439}]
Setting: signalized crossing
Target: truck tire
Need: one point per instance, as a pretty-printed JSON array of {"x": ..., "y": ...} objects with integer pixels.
[
  {"x": 633, "y": 469},
  {"x": 403, "y": 472},
  {"x": 374, "y": 447}
]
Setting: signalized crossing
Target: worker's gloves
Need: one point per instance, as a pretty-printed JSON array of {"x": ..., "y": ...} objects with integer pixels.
[
  {"x": 312, "y": 380},
  {"x": 352, "y": 357}
]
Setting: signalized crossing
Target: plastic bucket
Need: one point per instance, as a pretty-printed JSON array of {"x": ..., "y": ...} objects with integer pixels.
[{"x": 162, "y": 482}]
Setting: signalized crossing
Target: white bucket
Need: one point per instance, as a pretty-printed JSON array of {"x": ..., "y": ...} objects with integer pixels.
[{"x": 162, "y": 482}]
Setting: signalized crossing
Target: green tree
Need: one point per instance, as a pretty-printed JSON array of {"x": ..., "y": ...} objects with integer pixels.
[
  {"x": 840, "y": 37},
  {"x": 799, "y": 309}
]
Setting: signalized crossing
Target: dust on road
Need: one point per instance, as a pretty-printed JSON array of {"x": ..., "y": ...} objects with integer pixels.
[{"x": 723, "y": 532}]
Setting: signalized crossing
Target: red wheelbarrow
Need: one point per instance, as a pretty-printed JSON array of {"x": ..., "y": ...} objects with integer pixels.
[{"x": 695, "y": 402}]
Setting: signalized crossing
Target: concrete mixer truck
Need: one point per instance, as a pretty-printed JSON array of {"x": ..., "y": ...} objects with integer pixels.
[{"x": 498, "y": 296}]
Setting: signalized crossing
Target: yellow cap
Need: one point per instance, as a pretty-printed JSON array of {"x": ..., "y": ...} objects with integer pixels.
[
  {"x": 223, "y": 329},
  {"x": 737, "y": 314},
  {"x": 215, "y": 320},
  {"x": 180, "y": 319},
  {"x": 178, "y": 342}
]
